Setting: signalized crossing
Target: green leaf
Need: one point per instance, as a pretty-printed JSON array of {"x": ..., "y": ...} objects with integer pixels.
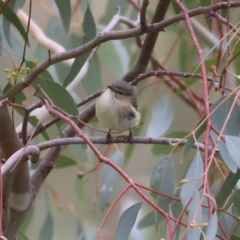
[
  {"x": 194, "y": 214},
  {"x": 211, "y": 229},
  {"x": 64, "y": 8},
  {"x": 6, "y": 24},
  {"x": 220, "y": 111},
  {"x": 232, "y": 144},
  {"x": 46, "y": 231},
  {"x": 167, "y": 149},
  {"x": 11, "y": 16},
  {"x": 21, "y": 236},
  {"x": 225, "y": 225},
  {"x": 162, "y": 180},
  {"x": 64, "y": 161},
  {"x": 59, "y": 96},
  {"x": 89, "y": 30},
  {"x": 227, "y": 188},
  {"x": 194, "y": 178},
  {"x": 19, "y": 98},
  {"x": 225, "y": 154},
  {"x": 201, "y": 126},
  {"x": 127, "y": 221},
  {"x": 35, "y": 122},
  {"x": 236, "y": 200},
  {"x": 89, "y": 27},
  {"x": 176, "y": 8},
  {"x": 112, "y": 68},
  {"x": 92, "y": 80},
  {"x": 189, "y": 192},
  {"x": 161, "y": 118},
  {"x": 109, "y": 177},
  {"x": 79, "y": 186},
  {"x": 208, "y": 18},
  {"x": 147, "y": 221}
]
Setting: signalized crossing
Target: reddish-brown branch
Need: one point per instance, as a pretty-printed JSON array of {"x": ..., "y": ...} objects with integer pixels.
[{"x": 205, "y": 94}]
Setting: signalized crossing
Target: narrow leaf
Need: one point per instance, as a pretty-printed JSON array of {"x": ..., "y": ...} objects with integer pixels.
[
  {"x": 201, "y": 126},
  {"x": 232, "y": 144},
  {"x": 46, "y": 231},
  {"x": 222, "y": 147},
  {"x": 89, "y": 29},
  {"x": 147, "y": 221},
  {"x": 227, "y": 187},
  {"x": 60, "y": 97},
  {"x": 211, "y": 229},
  {"x": 64, "y": 161},
  {"x": 127, "y": 221},
  {"x": 193, "y": 178},
  {"x": 109, "y": 178},
  {"x": 161, "y": 119},
  {"x": 236, "y": 200},
  {"x": 64, "y": 8},
  {"x": 11, "y": 16}
]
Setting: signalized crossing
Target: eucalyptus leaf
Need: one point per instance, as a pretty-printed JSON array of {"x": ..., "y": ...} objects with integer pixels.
[
  {"x": 89, "y": 30},
  {"x": 162, "y": 180},
  {"x": 11, "y": 16},
  {"x": 64, "y": 8},
  {"x": 109, "y": 177},
  {"x": 161, "y": 118},
  {"x": 46, "y": 231},
  {"x": 193, "y": 179},
  {"x": 59, "y": 96},
  {"x": 232, "y": 144},
  {"x": 64, "y": 161},
  {"x": 127, "y": 221}
]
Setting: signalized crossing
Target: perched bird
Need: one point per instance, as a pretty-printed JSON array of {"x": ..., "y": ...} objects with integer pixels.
[{"x": 116, "y": 108}]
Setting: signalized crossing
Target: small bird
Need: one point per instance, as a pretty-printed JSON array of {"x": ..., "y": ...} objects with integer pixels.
[{"x": 116, "y": 108}]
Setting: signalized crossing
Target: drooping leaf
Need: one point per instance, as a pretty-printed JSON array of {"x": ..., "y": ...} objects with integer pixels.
[
  {"x": 21, "y": 236},
  {"x": 225, "y": 226},
  {"x": 220, "y": 113},
  {"x": 162, "y": 180},
  {"x": 194, "y": 215},
  {"x": 147, "y": 221},
  {"x": 211, "y": 229},
  {"x": 64, "y": 161},
  {"x": 127, "y": 221},
  {"x": 236, "y": 200},
  {"x": 232, "y": 144},
  {"x": 14, "y": 5},
  {"x": 193, "y": 179},
  {"x": 227, "y": 187},
  {"x": 161, "y": 118},
  {"x": 109, "y": 177},
  {"x": 11, "y": 16},
  {"x": 89, "y": 30},
  {"x": 167, "y": 149},
  {"x": 64, "y": 8},
  {"x": 59, "y": 96},
  {"x": 173, "y": 223},
  {"x": 190, "y": 196},
  {"x": 46, "y": 231},
  {"x": 225, "y": 154},
  {"x": 112, "y": 67},
  {"x": 200, "y": 128},
  {"x": 208, "y": 18},
  {"x": 35, "y": 123},
  {"x": 92, "y": 80}
]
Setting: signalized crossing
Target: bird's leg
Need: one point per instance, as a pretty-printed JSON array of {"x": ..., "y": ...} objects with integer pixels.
[
  {"x": 130, "y": 136},
  {"x": 108, "y": 138}
]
